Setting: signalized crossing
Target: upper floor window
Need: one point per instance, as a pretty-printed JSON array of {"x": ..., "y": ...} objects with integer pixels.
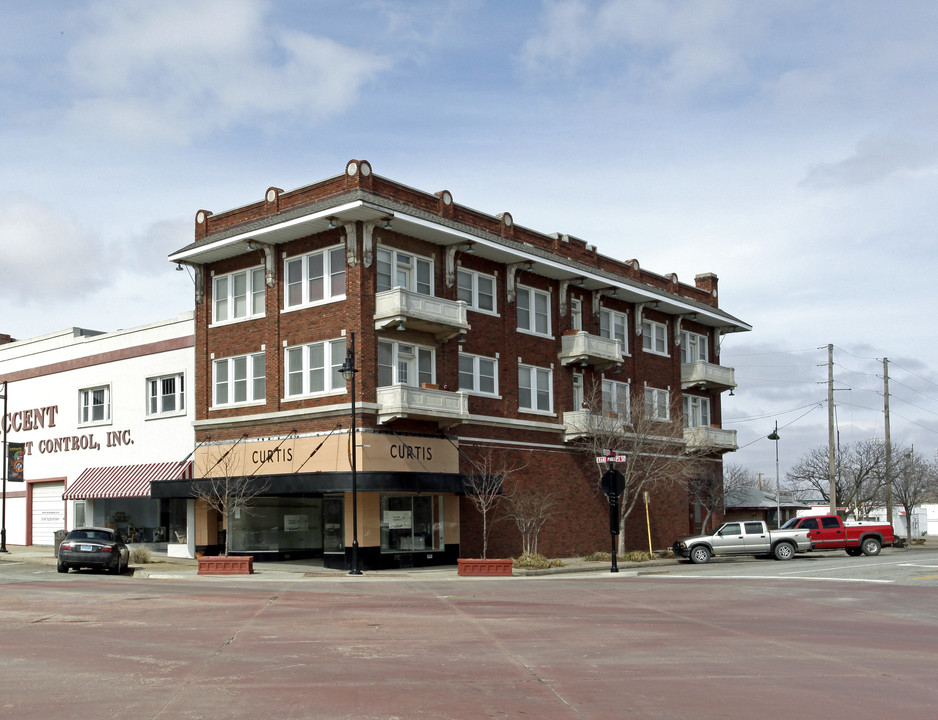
[
  {"x": 693, "y": 347},
  {"x": 238, "y": 295},
  {"x": 478, "y": 374},
  {"x": 576, "y": 314},
  {"x": 616, "y": 398},
  {"x": 533, "y": 311},
  {"x": 614, "y": 325},
  {"x": 241, "y": 379},
  {"x": 404, "y": 364},
  {"x": 166, "y": 395},
  {"x": 316, "y": 277},
  {"x": 654, "y": 337},
  {"x": 95, "y": 405},
  {"x": 400, "y": 269},
  {"x": 477, "y": 290},
  {"x": 657, "y": 404},
  {"x": 314, "y": 368},
  {"x": 535, "y": 389},
  {"x": 696, "y": 411}
]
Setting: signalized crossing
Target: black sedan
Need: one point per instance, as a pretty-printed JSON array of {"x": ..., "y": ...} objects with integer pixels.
[{"x": 94, "y": 548}]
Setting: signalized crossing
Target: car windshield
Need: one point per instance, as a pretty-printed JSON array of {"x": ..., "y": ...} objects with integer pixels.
[{"x": 790, "y": 524}]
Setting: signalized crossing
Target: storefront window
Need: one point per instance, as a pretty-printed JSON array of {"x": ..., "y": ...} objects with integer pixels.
[
  {"x": 333, "y": 537},
  {"x": 277, "y": 525},
  {"x": 411, "y": 523}
]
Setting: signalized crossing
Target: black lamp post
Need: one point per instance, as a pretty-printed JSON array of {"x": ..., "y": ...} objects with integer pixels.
[
  {"x": 348, "y": 371},
  {"x": 778, "y": 488}
]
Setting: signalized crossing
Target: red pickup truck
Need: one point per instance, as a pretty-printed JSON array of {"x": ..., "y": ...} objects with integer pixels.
[{"x": 828, "y": 532}]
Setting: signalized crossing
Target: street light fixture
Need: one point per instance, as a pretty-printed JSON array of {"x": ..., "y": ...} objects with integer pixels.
[
  {"x": 778, "y": 490},
  {"x": 348, "y": 371}
]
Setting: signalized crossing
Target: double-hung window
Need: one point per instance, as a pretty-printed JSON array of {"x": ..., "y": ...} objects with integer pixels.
[
  {"x": 404, "y": 364},
  {"x": 614, "y": 325},
  {"x": 616, "y": 399},
  {"x": 533, "y": 311},
  {"x": 238, "y": 295},
  {"x": 400, "y": 269},
  {"x": 696, "y": 411},
  {"x": 693, "y": 347},
  {"x": 657, "y": 403},
  {"x": 477, "y": 290},
  {"x": 478, "y": 374},
  {"x": 314, "y": 368},
  {"x": 654, "y": 337},
  {"x": 315, "y": 278},
  {"x": 166, "y": 395},
  {"x": 241, "y": 379},
  {"x": 95, "y": 405},
  {"x": 535, "y": 389}
]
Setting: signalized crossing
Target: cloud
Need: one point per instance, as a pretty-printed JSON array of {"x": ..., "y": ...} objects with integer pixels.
[
  {"x": 175, "y": 71},
  {"x": 875, "y": 159}
]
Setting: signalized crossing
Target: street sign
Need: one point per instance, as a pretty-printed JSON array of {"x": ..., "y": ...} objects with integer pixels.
[
  {"x": 613, "y": 483},
  {"x": 611, "y": 459}
]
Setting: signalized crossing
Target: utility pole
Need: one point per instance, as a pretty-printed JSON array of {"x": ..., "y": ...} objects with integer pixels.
[
  {"x": 830, "y": 428},
  {"x": 888, "y": 442}
]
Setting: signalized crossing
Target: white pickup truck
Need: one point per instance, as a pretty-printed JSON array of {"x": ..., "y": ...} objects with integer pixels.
[{"x": 745, "y": 537}]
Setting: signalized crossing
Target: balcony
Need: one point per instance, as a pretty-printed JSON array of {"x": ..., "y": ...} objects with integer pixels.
[
  {"x": 441, "y": 318},
  {"x": 581, "y": 348},
  {"x": 707, "y": 376},
  {"x": 422, "y": 403},
  {"x": 710, "y": 438},
  {"x": 583, "y": 423}
]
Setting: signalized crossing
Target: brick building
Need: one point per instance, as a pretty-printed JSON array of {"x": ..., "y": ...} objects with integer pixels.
[{"x": 473, "y": 338}]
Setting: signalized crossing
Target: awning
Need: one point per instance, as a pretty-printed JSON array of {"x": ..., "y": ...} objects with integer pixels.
[{"x": 123, "y": 481}]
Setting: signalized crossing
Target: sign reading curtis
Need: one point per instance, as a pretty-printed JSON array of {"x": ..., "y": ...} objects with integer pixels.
[{"x": 376, "y": 451}]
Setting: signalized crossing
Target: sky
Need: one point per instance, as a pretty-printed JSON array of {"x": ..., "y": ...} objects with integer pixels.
[{"x": 790, "y": 147}]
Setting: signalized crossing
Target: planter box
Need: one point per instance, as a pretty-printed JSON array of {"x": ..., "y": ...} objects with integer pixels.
[
  {"x": 484, "y": 568},
  {"x": 221, "y": 565}
]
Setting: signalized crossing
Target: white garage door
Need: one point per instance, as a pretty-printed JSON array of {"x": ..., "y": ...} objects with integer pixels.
[{"x": 48, "y": 512}]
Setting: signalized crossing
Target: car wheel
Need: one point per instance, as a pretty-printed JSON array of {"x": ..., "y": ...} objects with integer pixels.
[
  {"x": 116, "y": 568},
  {"x": 61, "y": 567},
  {"x": 871, "y": 546},
  {"x": 699, "y": 554},
  {"x": 854, "y": 552},
  {"x": 784, "y": 551}
]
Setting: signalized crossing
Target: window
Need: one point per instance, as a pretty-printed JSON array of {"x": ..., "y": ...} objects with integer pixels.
[
  {"x": 696, "y": 411},
  {"x": 576, "y": 315},
  {"x": 478, "y": 374},
  {"x": 732, "y": 529},
  {"x": 404, "y": 364},
  {"x": 754, "y": 528},
  {"x": 95, "y": 405},
  {"x": 693, "y": 347},
  {"x": 239, "y": 295},
  {"x": 614, "y": 325},
  {"x": 240, "y": 380},
  {"x": 656, "y": 404},
  {"x": 535, "y": 389},
  {"x": 578, "y": 399},
  {"x": 399, "y": 269},
  {"x": 533, "y": 311},
  {"x": 412, "y": 523},
  {"x": 616, "y": 398},
  {"x": 829, "y": 523},
  {"x": 314, "y": 278},
  {"x": 654, "y": 337},
  {"x": 809, "y": 524},
  {"x": 166, "y": 395},
  {"x": 314, "y": 368},
  {"x": 477, "y": 290}
]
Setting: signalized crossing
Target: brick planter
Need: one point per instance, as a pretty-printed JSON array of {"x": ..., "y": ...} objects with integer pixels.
[
  {"x": 484, "y": 568},
  {"x": 221, "y": 565}
]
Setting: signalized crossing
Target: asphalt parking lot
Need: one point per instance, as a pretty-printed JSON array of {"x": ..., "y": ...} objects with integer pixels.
[{"x": 726, "y": 640}]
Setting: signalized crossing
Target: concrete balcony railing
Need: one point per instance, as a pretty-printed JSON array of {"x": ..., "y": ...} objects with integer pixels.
[
  {"x": 402, "y": 308},
  {"x": 707, "y": 376},
  {"x": 422, "y": 403},
  {"x": 583, "y": 423},
  {"x": 710, "y": 438},
  {"x": 582, "y": 348}
]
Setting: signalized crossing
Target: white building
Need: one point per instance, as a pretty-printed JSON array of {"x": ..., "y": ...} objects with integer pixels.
[{"x": 100, "y": 416}]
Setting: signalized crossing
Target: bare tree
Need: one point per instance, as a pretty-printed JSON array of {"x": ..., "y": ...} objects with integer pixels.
[
  {"x": 859, "y": 475},
  {"x": 485, "y": 485},
  {"x": 225, "y": 490},
  {"x": 913, "y": 481},
  {"x": 707, "y": 491},
  {"x": 530, "y": 506},
  {"x": 645, "y": 429}
]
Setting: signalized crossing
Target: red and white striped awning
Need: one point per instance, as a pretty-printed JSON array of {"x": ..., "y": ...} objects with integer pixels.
[{"x": 123, "y": 481}]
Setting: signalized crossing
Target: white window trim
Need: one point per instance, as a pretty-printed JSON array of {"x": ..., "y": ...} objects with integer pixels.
[
  {"x": 655, "y": 329},
  {"x": 180, "y": 396},
  {"x": 395, "y": 359},
  {"x": 340, "y": 388},
  {"x": 693, "y": 406},
  {"x": 476, "y": 375},
  {"x": 702, "y": 341},
  {"x": 532, "y": 293},
  {"x": 251, "y": 315},
  {"x": 656, "y": 393},
  {"x": 474, "y": 304},
  {"x": 327, "y": 274},
  {"x": 613, "y": 314},
  {"x": 620, "y": 387},
  {"x": 533, "y": 371},
  {"x": 394, "y": 252},
  {"x": 252, "y": 359},
  {"x": 106, "y": 420}
]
